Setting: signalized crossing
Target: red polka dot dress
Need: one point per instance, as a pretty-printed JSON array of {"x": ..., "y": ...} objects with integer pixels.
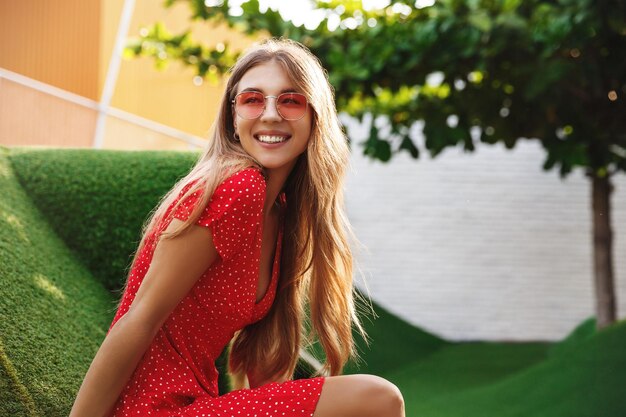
[{"x": 177, "y": 374}]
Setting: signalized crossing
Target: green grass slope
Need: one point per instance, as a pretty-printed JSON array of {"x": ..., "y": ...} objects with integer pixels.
[
  {"x": 456, "y": 368},
  {"x": 393, "y": 344},
  {"x": 580, "y": 377},
  {"x": 51, "y": 310},
  {"x": 587, "y": 380},
  {"x": 97, "y": 201}
]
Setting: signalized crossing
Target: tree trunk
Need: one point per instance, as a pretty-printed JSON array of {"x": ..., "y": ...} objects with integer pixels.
[{"x": 603, "y": 250}]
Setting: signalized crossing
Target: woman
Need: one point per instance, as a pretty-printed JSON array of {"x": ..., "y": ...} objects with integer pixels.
[{"x": 250, "y": 239}]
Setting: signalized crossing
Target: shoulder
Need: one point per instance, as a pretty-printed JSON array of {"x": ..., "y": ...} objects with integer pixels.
[
  {"x": 246, "y": 176},
  {"x": 244, "y": 186},
  {"x": 240, "y": 187},
  {"x": 248, "y": 183}
]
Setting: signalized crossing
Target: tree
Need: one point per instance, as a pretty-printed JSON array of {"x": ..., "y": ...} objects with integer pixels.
[{"x": 546, "y": 70}]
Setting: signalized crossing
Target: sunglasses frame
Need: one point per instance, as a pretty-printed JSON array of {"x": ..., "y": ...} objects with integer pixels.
[{"x": 306, "y": 105}]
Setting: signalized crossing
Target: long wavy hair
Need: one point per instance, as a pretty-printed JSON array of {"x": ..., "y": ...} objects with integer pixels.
[{"x": 315, "y": 299}]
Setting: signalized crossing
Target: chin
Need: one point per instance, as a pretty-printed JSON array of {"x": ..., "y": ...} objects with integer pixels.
[
  {"x": 276, "y": 164},
  {"x": 272, "y": 164}
]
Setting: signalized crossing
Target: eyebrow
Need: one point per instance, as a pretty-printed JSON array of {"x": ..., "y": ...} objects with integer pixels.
[{"x": 287, "y": 90}]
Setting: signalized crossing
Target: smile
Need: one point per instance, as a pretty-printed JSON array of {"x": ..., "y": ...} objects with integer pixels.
[{"x": 271, "y": 138}]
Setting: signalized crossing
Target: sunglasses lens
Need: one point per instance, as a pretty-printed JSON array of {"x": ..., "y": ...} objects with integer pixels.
[
  {"x": 249, "y": 104},
  {"x": 291, "y": 106}
]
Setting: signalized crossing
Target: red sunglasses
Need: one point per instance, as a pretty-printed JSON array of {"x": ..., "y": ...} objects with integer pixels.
[{"x": 251, "y": 105}]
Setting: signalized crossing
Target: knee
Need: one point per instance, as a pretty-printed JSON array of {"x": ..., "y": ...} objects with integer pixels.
[{"x": 384, "y": 397}]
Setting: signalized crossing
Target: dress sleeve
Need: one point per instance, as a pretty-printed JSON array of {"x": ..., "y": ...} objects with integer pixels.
[{"x": 233, "y": 213}]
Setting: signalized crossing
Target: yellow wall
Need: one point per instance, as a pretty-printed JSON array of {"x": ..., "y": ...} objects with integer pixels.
[{"x": 169, "y": 96}]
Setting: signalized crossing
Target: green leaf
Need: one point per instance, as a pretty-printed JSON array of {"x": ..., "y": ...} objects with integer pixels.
[
  {"x": 510, "y": 5},
  {"x": 546, "y": 75},
  {"x": 481, "y": 20},
  {"x": 408, "y": 145}
]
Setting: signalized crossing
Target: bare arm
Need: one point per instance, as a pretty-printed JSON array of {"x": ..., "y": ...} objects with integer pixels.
[{"x": 176, "y": 266}]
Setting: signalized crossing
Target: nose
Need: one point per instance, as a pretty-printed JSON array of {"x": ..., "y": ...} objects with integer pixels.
[{"x": 270, "y": 113}]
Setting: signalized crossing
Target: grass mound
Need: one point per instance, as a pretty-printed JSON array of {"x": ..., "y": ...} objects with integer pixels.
[
  {"x": 579, "y": 377},
  {"x": 97, "y": 201},
  {"x": 456, "y": 368},
  {"x": 580, "y": 334},
  {"x": 51, "y": 310},
  {"x": 393, "y": 344}
]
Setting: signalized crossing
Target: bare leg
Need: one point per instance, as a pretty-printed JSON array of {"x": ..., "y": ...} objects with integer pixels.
[{"x": 359, "y": 396}]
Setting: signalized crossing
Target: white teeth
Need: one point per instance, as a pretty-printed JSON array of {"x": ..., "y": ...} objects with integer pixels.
[{"x": 271, "y": 139}]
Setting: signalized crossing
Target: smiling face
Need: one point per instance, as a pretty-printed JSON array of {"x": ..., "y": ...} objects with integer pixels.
[{"x": 272, "y": 140}]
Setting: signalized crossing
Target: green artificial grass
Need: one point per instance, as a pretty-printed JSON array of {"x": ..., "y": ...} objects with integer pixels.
[
  {"x": 582, "y": 376},
  {"x": 393, "y": 343},
  {"x": 54, "y": 315},
  {"x": 581, "y": 333},
  {"x": 458, "y": 367},
  {"x": 97, "y": 201}
]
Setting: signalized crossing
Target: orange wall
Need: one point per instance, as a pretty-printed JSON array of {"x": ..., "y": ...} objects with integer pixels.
[
  {"x": 68, "y": 44},
  {"x": 31, "y": 118},
  {"x": 56, "y": 42},
  {"x": 110, "y": 13}
]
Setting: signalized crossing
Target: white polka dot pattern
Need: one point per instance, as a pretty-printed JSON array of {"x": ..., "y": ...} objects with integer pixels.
[{"x": 177, "y": 374}]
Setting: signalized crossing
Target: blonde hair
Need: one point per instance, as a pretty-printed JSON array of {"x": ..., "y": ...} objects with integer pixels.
[{"x": 316, "y": 267}]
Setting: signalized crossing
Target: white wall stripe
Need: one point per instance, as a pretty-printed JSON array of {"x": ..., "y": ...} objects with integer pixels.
[
  {"x": 113, "y": 71},
  {"x": 48, "y": 89}
]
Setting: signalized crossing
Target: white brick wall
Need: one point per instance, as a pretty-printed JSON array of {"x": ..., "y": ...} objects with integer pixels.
[{"x": 482, "y": 245}]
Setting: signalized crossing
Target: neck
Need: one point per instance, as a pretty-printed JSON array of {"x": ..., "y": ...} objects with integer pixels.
[{"x": 276, "y": 179}]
